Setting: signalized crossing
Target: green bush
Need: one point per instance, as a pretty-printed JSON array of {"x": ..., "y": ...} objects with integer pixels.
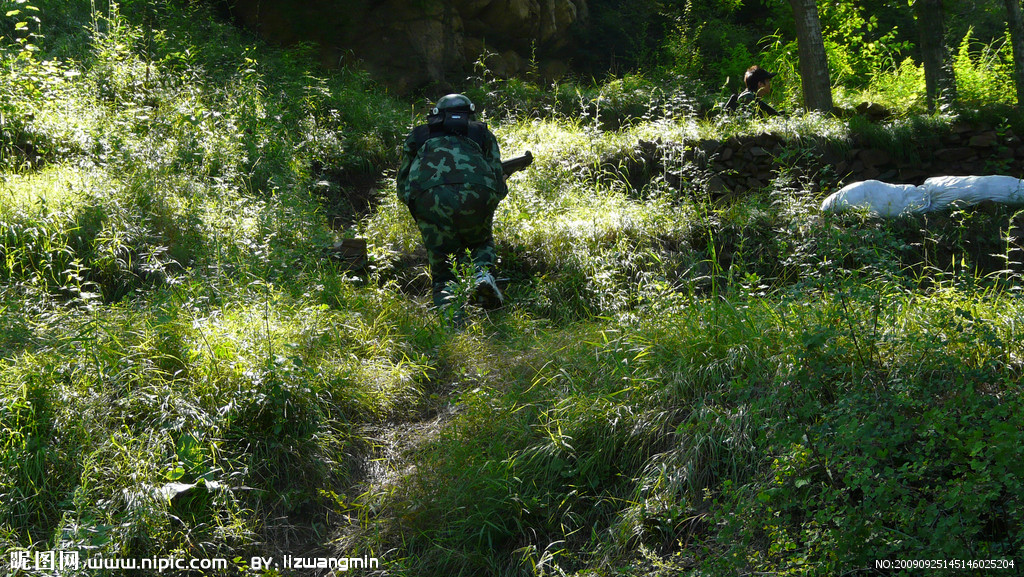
[
  {"x": 984, "y": 74},
  {"x": 901, "y": 87}
]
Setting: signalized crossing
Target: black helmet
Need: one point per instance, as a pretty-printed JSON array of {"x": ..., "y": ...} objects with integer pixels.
[{"x": 453, "y": 103}]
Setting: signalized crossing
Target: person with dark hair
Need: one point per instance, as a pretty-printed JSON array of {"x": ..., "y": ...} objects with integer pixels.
[
  {"x": 758, "y": 84},
  {"x": 451, "y": 179}
]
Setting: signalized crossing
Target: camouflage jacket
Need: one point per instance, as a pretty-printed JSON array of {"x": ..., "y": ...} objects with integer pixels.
[{"x": 449, "y": 159}]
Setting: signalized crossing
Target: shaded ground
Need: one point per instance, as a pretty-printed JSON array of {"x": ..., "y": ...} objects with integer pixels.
[{"x": 347, "y": 197}]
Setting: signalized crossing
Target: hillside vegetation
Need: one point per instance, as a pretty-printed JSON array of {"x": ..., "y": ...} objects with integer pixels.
[{"x": 676, "y": 386}]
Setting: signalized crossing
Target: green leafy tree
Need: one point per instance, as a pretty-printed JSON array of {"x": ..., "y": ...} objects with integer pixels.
[
  {"x": 862, "y": 41},
  {"x": 1015, "y": 23}
]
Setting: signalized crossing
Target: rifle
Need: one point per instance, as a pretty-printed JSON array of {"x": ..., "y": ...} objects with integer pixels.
[{"x": 514, "y": 165}]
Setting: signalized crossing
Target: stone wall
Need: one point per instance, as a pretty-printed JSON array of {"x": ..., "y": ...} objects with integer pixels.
[
  {"x": 741, "y": 164},
  {"x": 409, "y": 44}
]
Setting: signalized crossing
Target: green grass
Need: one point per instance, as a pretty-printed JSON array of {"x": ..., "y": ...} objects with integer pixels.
[
  {"x": 719, "y": 432},
  {"x": 674, "y": 387}
]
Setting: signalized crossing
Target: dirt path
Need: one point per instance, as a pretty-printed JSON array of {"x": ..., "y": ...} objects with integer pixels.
[{"x": 393, "y": 457}]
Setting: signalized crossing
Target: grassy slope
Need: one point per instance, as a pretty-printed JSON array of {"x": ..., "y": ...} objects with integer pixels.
[{"x": 674, "y": 386}]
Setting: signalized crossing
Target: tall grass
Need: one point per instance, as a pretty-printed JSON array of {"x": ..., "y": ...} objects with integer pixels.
[
  {"x": 675, "y": 386},
  {"x": 181, "y": 372},
  {"x": 667, "y": 436}
]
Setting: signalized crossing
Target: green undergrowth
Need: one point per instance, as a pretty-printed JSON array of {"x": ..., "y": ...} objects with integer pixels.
[
  {"x": 677, "y": 385},
  {"x": 806, "y": 436}
]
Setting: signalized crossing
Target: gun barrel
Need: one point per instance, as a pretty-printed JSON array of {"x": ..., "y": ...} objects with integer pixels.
[{"x": 517, "y": 163}]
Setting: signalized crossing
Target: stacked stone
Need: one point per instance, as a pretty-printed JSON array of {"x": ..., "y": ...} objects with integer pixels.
[{"x": 742, "y": 164}]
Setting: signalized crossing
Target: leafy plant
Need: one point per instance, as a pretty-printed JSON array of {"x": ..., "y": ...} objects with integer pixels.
[{"x": 982, "y": 71}]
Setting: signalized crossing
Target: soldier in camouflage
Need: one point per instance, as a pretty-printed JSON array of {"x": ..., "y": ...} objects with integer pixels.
[{"x": 451, "y": 179}]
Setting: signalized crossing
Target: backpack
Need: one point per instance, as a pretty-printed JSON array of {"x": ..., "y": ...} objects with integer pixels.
[
  {"x": 452, "y": 123},
  {"x": 444, "y": 155}
]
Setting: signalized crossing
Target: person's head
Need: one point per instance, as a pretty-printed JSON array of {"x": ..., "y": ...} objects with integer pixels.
[
  {"x": 758, "y": 80},
  {"x": 454, "y": 103}
]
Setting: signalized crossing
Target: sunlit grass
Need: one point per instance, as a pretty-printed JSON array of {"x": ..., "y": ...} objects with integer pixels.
[
  {"x": 53, "y": 189},
  {"x": 674, "y": 385}
]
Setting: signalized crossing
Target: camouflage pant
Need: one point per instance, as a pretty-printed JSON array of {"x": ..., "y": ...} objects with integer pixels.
[{"x": 452, "y": 219}]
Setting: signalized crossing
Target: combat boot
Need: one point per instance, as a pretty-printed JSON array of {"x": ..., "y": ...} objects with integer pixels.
[{"x": 486, "y": 292}]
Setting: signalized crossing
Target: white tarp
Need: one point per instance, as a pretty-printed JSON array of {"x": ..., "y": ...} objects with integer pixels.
[{"x": 890, "y": 200}]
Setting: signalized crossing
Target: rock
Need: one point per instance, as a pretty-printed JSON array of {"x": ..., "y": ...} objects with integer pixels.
[
  {"x": 874, "y": 157},
  {"x": 912, "y": 175},
  {"x": 709, "y": 147},
  {"x": 984, "y": 140},
  {"x": 674, "y": 180},
  {"x": 648, "y": 148},
  {"x": 952, "y": 139},
  {"x": 749, "y": 162},
  {"x": 767, "y": 139},
  {"x": 507, "y": 64},
  {"x": 560, "y": 14},
  {"x": 717, "y": 186},
  {"x": 503, "y": 16},
  {"x": 873, "y": 110},
  {"x": 351, "y": 252},
  {"x": 471, "y": 8},
  {"x": 888, "y": 175},
  {"x": 954, "y": 154},
  {"x": 555, "y": 69},
  {"x": 408, "y": 45}
]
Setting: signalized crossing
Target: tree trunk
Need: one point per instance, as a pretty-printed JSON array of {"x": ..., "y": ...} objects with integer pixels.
[
  {"x": 940, "y": 83},
  {"x": 813, "y": 62},
  {"x": 1016, "y": 24}
]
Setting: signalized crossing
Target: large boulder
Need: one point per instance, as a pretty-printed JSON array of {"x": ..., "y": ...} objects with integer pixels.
[{"x": 412, "y": 44}]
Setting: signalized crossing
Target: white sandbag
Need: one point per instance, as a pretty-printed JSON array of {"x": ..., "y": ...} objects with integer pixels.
[
  {"x": 890, "y": 200},
  {"x": 880, "y": 198},
  {"x": 967, "y": 190}
]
